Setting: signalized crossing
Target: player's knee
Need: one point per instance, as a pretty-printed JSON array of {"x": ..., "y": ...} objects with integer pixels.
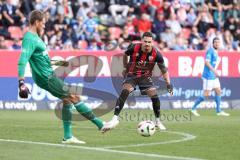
[
  {"x": 152, "y": 92},
  {"x": 206, "y": 94},
  {"x": 73, "y": 98},
  {"x": 128, "y": 87},
  {"x": 218, "y": 92}
]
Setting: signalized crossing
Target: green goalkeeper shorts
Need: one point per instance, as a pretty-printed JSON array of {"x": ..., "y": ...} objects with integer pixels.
[{"x": 55, "y": 86}]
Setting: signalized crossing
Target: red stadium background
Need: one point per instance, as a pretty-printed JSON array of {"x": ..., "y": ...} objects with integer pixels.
[{"x": 185, "y": 70}]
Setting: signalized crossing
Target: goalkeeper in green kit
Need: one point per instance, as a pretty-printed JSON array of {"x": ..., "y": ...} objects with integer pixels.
[{"x": 35, "y": 52}]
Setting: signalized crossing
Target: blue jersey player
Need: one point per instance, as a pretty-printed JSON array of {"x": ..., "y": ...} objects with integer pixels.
[{"x": 210, "y": 79}]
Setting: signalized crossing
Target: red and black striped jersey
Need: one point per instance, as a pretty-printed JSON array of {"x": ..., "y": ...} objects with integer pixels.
[{"x": 142, "y": 63}]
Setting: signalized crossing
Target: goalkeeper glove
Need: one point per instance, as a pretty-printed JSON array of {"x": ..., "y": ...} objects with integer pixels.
[
  {"x": 170, "y": 89},
  {"x": 23, "y": 90}
]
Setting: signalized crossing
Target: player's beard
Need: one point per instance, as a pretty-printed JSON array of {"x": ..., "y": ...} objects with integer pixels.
[
  {"x": 216, "y": 48},
  {"x": 147, "y": 48}
]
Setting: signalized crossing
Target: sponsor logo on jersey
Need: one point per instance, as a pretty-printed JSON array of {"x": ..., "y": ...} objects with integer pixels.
[{"x": 150, "y": 58}]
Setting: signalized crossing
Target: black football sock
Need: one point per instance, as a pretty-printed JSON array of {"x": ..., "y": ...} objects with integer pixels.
[
  {"x": 120, "y": 102},
  {"x": 156, "y": 106}
]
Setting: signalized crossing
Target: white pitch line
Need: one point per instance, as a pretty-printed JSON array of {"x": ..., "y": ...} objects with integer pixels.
[
  {"x": 100, "y": 149},
  {"x": 187, "y": 137}
]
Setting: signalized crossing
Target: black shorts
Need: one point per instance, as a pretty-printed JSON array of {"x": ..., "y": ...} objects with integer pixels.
[{"x": 143, "y": 83}]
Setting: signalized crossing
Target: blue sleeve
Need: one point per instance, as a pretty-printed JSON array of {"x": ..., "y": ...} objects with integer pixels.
[{"x": 209, "y": 54}]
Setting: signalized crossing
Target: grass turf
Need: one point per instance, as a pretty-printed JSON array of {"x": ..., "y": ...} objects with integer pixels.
[{"x": 216, "y": 137}]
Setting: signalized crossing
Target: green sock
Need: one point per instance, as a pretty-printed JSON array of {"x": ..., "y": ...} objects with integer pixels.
[
  {"x": 88, "y": 113},
  {"x": 67, "y": 117}
]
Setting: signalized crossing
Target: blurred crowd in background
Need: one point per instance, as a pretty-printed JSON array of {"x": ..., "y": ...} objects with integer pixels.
[{"x": 94, "y": 24}]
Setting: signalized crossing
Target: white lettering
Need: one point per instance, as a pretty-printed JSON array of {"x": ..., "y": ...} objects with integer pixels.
[
  {"x": 58, "y": 69},
  {"x": 166, "y": 61},
  {"x": 224, "y": 66},
  {"x": 105, "y": 70},
  {"x": 21, "y": 105},
  {"x": 184, "y": 66},
  {"x": 38, "y": 93},
  {"x": 1, "y": 105},
  {"x": 198, "y": 66},
  {"x": 83, "y": 68},
  {"x": 73, "y": 69}
]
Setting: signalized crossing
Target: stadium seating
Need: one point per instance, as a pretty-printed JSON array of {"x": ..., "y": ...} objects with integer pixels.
[
  {"x": 9, "y": 43},
  {"x": 82, "y": 44},
  {"x": 186, "y": 32},
  {"x": 115, "y": 31},
  {"x": 15, "y": 32}
]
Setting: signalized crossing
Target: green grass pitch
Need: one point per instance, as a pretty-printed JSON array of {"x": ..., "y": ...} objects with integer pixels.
[{"x": 37, "y": 136}]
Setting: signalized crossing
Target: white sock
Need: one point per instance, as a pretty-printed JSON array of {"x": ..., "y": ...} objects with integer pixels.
[
  {"x": 115, "y": 117},
  {"x": 157, "y": 119}
]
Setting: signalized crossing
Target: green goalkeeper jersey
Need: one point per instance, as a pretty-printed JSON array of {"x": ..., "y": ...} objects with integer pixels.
[{"x": 35, "y": 52}]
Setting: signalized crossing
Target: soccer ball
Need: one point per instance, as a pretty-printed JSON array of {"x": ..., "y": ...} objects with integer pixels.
[{"x": 146, "y": 128}]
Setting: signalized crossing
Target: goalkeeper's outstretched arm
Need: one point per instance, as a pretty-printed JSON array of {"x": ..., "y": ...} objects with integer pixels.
[{"x": 27, "y": 50}]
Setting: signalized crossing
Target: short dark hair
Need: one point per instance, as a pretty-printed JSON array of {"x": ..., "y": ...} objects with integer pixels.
[
  {"x": 147, "y": 34},
  {"x": 215, "y": 38},
  {"x": 35, "y": 15}
]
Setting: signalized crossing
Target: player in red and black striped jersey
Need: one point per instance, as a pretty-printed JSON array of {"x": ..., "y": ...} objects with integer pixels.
[
  {"x": 142, "y": 60},
  {"x": 138, "y": 72}
]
